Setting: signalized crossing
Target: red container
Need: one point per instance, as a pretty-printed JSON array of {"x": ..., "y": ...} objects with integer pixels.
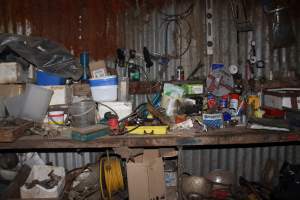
[
  {"x": 274, "y": 112},
  {"x": 113, "y": 123}
]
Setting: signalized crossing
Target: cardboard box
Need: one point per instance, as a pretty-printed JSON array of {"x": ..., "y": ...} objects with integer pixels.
[
  {"x": 122, "y": 108},
  {"x": 12, "y": 72},
  {"x": 11, "y": 90},
  {"x": 98, "y": 69},
  {"x": 62, "y": 94},
  {"x": 81, "y": 90},
  {"x": 146, "y": 177},
  {"x": 282, "y": 98}
]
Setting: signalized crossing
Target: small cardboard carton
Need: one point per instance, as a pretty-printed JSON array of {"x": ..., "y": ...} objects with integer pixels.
[{"x": 146, "y": 177}]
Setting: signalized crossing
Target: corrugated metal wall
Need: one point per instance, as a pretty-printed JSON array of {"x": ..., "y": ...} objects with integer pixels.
[
  {"x": 91, "y": 25},
  {"x": 147, "y": 29},
  {"x": 242, "y": 161},
  {"x": 70, "y": 160},
  {"x": 247, "y": 162}
]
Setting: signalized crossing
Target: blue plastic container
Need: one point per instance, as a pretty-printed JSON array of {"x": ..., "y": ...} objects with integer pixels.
[{"x": 44, "y": 78}]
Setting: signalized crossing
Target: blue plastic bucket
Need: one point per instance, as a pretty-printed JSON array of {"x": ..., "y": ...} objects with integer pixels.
[{"x": 44, "y": 78}]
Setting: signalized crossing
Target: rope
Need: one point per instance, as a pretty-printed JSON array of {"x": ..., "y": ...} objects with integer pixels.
[{"x": 111, "y": 173}]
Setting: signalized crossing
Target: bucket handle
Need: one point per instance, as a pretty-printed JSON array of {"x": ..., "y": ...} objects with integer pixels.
[{"x": 84, "y": 113}]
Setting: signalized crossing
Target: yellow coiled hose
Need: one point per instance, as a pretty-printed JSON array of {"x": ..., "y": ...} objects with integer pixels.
[{"x": 111, "y": 169}]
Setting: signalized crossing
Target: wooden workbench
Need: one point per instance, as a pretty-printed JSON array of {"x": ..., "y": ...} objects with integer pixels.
[{"x": 229, "y": 136}]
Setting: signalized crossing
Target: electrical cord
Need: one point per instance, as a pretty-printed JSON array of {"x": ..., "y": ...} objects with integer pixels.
[
  {"x": 178, "y": 20},
  {"x": 102, "y": 104}
]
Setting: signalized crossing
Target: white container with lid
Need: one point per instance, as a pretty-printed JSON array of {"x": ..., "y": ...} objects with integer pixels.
[{"x": 104, "y": 88}]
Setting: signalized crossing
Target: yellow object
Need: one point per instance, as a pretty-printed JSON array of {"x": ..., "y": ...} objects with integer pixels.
[
  {"x": 253, "y": 99},
  {"x": 149, "y": 116},
  {"x": 112, "y": 175},
  {"x": 142, "y": 130},
  {"x": 259, "y": 113},
  {"x": 252, "y": 197}
]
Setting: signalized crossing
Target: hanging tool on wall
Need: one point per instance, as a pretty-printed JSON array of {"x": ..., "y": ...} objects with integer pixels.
[
  {"x": 242, "y": 23},
  {"x": 147, "y": 58},
  {"x": 120, "y": 60},
  {"x": 133, "y": 68},
  {"x": 250, "y": 67},
  {"x": 127, "y": 60}
]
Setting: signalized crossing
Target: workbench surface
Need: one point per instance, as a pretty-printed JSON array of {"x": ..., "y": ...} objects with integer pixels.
[{"x": 227, "y": 136}]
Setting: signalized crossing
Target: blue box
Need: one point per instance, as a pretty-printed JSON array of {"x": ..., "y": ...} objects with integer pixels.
[{"x": 44, "y": 78}]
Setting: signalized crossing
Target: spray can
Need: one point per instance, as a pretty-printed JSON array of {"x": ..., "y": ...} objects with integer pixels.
[
  {"x": 211, "y": 101},
  {"x": 224, "y": 101},
  {"x": 179, "y": 73}
]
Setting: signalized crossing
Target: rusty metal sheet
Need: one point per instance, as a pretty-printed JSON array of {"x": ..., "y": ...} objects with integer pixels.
[{"x": 90, "y": 25}]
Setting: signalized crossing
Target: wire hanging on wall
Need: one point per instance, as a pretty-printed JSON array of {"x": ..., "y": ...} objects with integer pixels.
[{"x": 179, "y": 20}]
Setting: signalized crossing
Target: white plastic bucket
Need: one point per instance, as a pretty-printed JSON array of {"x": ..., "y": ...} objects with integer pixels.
[
  {"x": 56, "y": 117},
  {"x": 104, "y": 88}
]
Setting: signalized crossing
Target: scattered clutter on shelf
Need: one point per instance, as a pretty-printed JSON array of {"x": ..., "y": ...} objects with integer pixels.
[{"x": 148, "y": 95}]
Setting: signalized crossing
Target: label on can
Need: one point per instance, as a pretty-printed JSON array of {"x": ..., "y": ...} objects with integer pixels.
[
  {"x": 223, "y": 103},
  {"x": 135, "y": 76},
  {"x": 234, "y": 103},
  {"x": 211, "y": 101}
]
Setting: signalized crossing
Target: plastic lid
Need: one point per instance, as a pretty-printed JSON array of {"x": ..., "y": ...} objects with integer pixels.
[
  {"x": 234, "y": 96},
  {"x": 108, "y": 80},
  {"x": 225, "y": 97}
]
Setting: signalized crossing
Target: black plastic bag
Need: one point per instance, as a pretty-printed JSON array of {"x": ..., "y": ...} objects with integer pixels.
[
  {"x": 42, "y": 53},
  {"x": 289, "y": 183}
]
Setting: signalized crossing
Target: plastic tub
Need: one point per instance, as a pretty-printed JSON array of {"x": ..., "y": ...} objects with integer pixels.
[
  {"x": 44, "y": 78},
  {"x": 35, "y": 102},
  {"x": 105, "y": 88},
  {"x": 83, "y": 114}
]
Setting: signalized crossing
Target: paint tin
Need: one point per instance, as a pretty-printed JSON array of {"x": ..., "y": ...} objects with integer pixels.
[{"x": 83, "y": 114}]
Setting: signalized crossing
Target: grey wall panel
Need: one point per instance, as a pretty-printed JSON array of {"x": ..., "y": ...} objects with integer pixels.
[
  {"x": 226, "y": 49},
  {"x": 70, "y": 160},
  {"x": 247, "y": 162}
]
